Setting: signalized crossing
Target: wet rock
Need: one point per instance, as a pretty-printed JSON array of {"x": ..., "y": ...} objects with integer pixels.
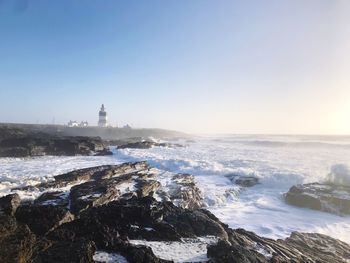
[
  {"x": 224, "y": 252},
  {"x": 9, "y": 204},
  {"x": 325, "y": 197},
  {"x": 195, "y": 223},
  {"x": 299, "y": 247},
  {"x": 141, "y": 254},
  {"x": 146, "y": 187},
  {"x": 184, "y": 192},
  {"x": 57, "y": 198},
  {"x": 103, "y": 152},
  {"x": 243, "y": 180},
  {"x": 247, "y": 181},
  {"x": 95, "y": 193},
  {"x": 16, "y": 241},
  {"x": 78, "y": 251},
  {"x": 91, "y": 173},
  {"x": 140, "y": 218},
  {"x": 39, "y": 144},
  {"x": 43, "y": 218}
]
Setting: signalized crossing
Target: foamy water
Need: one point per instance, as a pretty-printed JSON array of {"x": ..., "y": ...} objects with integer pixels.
[{"x": 278, "y": 161}]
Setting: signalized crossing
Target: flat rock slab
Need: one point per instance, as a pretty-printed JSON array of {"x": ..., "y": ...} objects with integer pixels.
[
  {"x": 95, "y": 193},
  {"x": 325, "y": 197}
]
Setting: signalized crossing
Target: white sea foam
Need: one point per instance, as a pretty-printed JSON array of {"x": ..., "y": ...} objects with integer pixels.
[
  {"x": 340, "y": 175},
  {"x": 104, "y": 257},
  {"x": 261, "y": 208},
  {"x": 187, "y": 250}
]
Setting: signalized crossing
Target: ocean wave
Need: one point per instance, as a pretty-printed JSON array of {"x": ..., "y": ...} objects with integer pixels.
[{"x": 339, "y": 175}]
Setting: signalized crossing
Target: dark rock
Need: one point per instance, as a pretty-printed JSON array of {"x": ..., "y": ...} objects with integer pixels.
[
  {"x": 243, "y": 180},
  {"x": 247, "y": 181},
  {"x": 71, "y": 252},
  {"x": 94, "y": 193},
  {"x": 324, "y": 197},
  {"x": 14, "y": 152},
  {"x": 299, "y": 247},
  {"x": 43, "y": 218},
  {"x": 16, "y": 241},
  {"x": 9, "y": 203},
  {"x": 184, "y": 192},
  {"x": 39, "y": 144},
  {"x": 224, "y": 252},
  {"x": 147, "y": 187},
  {"x": 103, "y": 152},
  {"x": 195, "y": 223},
  {"x": 86, "y": 174},
  {"x": 57, "y": 198},
  {"x": 141, "y": 254}
]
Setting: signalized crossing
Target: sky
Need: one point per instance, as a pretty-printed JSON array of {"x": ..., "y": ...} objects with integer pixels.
[{"x": 198, "y": 66}]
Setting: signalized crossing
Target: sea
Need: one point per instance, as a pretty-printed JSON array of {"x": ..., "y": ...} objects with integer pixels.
[{"x": 278, "y": 161}]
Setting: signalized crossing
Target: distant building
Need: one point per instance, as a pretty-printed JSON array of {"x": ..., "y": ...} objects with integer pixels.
[
  {"x": 102, "y": 117},
  {"x": 127, "y": 126},
  {"x": 76, "y": 124},
  {"x": 73, "y": 124},
  {"x": 84, "y": 124}
]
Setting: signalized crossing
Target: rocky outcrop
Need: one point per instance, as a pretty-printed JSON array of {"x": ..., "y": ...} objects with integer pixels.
[
  {"x": 43, "y": 218},
  {"x": 9, "y": 204},
  {"x": 113, "y": 204},
  {"x": 243, "y": 180},
  {"x": 78, "y": 251},
  {"x": 245, "y": 246},
  {"x": 44, "y": 144},
  {"x": 184, "y": 192},
  {"x": 17, "y": 242},
  {"x": 325, "y": 197}
]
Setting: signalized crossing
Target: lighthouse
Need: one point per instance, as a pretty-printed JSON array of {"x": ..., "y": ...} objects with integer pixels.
[{"x": 102, "y": 117}]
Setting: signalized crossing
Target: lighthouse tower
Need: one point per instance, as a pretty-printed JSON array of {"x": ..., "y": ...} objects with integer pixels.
[{"x": 102, "y": 117}]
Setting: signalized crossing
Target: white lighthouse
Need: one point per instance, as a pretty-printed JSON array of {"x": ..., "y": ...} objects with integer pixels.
[{"x": 102, "y": 117}]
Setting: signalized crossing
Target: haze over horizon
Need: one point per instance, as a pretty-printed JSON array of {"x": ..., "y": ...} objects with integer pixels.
[{"x": 200, "y": 66}]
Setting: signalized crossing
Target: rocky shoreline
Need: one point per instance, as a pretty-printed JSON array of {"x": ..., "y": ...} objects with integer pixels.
[
  {"x": 20, "y": 143},
  {"x": 115, "y": 208}
]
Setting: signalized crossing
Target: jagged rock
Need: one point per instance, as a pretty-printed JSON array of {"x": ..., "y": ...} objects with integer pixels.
[
  {"x": 326, "y": 197},
  {"x": 94, "y": 193},
  {"x": 299, "y": 247},
  {"x": 146, "y": 145},
  {"x": 57, "y": 198},
  {"x": 140, "y": 218},
  {"x": 224, "y": 252},
  {"x": 43, "y": 218},
  {"x": 103, "y": 152},
  {"x": 86, "y": 174},
  {"x": 141, "y": 254},
  {"x": 195, "y": 223},
  {"x": 32, "y": 144},
  {"x": 146, "y": 187},
  {"x": 247, "y": 181},
  {"x": 16, "y": 241},
  {"x": 79, "y": 251},
  {"x": 243, "y": 180},
  {"x": 9, "y": 204},
  {"x": 184, "y": 192}
]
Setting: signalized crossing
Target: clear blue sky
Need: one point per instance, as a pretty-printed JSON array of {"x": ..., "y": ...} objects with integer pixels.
[{"x": 190, "y": 65}]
